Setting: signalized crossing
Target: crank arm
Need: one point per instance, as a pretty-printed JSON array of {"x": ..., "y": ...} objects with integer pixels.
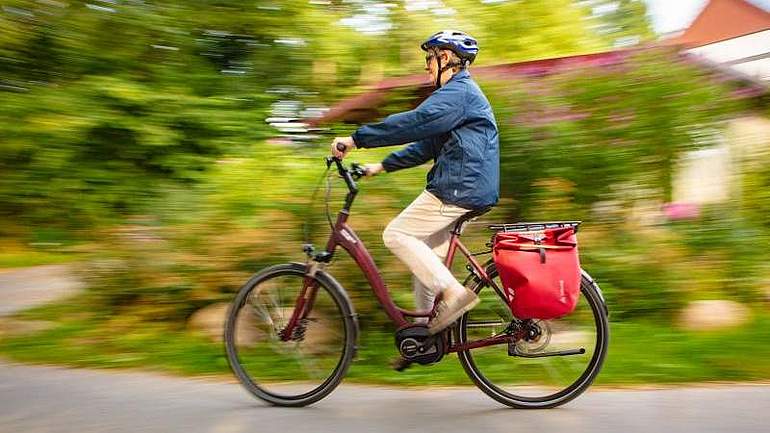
[{"x": 513, "y": 351}]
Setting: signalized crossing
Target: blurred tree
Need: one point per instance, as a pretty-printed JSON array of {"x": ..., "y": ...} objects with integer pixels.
[
  {"x": 107, "y": 102},
  {"x": 511, "y": 31},
  {"x": 621, "y": 22},
  {"x": 507, "y": 31}
]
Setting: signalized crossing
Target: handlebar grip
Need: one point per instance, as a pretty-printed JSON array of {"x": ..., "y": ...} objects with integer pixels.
[{"x": 341, "y": 147}]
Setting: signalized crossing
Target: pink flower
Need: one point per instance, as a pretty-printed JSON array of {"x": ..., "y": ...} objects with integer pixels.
[{"x": 681, "y": 211}]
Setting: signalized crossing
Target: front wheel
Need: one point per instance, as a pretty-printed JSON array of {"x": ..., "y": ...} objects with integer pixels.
[
  {"x": 535, "y": 382},
  {"x": 307, "y": 366}
]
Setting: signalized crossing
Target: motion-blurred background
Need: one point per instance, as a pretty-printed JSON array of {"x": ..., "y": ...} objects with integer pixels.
[{"x": 153, "y": 155}]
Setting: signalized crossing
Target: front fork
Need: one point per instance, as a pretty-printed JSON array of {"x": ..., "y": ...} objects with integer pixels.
[{"x": 294, "y": 329}]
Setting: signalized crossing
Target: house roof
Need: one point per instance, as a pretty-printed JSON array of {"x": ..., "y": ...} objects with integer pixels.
[
  {"x": 364, "y": 107},
  {"x": 721, "y": 20}
]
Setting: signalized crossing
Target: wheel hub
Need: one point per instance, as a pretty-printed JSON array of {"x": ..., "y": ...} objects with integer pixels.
[{"x": 537, "y": 336}]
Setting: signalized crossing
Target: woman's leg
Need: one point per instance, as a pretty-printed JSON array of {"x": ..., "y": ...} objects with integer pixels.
[
  {"x": 425, "y": 219},
  {"x": 423, "y": 295}
]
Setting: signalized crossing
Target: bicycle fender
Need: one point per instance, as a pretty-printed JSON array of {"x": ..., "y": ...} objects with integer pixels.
[{"x": 592, "y": 282}]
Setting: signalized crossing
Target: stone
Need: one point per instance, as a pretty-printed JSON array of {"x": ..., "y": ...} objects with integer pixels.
[
  {"x": 713, "y": 315},
  {"x": 210, "y": 321}
]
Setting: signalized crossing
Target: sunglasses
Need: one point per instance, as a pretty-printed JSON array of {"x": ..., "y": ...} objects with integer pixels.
[{"x": 428, "y": 58}]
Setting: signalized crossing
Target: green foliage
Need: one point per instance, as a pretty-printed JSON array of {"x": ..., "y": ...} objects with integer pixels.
[
  {"x": 642, "y": 275},
  {"x": 599, "y": 128},
  {"x": 754, "y": 201},
  {"x": 105, "y": 147},
  {"x": 622, "y": 22},
  {"x": 140, "y": 125},
  {"x": 109, "y": 107},
  {"x": 732, "y": 244},
  {"x": 32, "y": 258},
  {"x": 106, "y": 108},
  {"x": 525, "y": 30},
  {"x": 639, "y": 352}
]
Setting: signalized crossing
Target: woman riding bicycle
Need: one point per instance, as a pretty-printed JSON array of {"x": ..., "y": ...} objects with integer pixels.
[
  {"x": 455, "y": 127},
  {"x": 291, "y": 332}
]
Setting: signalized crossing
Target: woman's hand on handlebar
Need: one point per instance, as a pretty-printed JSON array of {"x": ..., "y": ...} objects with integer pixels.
[
  {"x": 341, "y": 146},
  {"x": 373, "y": 169}
]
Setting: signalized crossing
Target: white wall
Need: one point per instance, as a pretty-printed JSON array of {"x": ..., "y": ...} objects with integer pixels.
[
  {"x": 713, "y": 174},
  {"x": 737, "y": 51},
  {"x": 703, "y": 176}
]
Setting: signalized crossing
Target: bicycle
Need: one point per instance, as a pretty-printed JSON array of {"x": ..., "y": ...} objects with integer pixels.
[{"x": 293, "y": 349}]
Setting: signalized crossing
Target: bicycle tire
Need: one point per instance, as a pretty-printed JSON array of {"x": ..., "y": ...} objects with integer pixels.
[
  {"x": 592, "y": 295},
  {"x": 341, "y": 301}
]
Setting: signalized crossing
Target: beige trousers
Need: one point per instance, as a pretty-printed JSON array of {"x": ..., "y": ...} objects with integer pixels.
[{"x": 419, "y": 236}]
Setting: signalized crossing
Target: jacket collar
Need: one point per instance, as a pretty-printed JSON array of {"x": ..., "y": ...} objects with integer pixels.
[{"x": 462, "y": 73}]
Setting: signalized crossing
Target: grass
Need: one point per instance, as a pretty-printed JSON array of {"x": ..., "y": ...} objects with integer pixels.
[
  {"x": 20, "y": 259},
  {"x": 639, "y": 353}
]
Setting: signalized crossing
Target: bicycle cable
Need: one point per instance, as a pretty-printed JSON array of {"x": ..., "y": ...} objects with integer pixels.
[
  {"x": 326, "y": 201},
  {"x": 306, "y": 225}
]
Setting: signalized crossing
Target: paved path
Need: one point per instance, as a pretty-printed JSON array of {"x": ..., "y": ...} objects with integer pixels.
[
  {"x": 29, "y": 287},
  {"x": 44, "y": 399}
]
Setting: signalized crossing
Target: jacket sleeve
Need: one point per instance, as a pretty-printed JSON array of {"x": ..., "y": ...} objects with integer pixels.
[
  {"x": 441, "y": 112},
  {"x": 415, "y": 154}
]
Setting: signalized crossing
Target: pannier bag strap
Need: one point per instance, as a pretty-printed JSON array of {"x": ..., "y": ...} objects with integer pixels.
[{"x": 507, "y": 244}]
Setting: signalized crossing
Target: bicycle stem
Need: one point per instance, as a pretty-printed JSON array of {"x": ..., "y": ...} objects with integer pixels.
[{"x": 345, "y": 174}]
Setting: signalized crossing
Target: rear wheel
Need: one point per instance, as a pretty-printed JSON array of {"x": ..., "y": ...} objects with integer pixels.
[
  {"x": 305, "y": 367},
  {"x": 534, "y": 382}
]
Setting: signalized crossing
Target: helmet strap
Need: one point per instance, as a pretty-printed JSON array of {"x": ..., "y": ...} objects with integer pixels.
[{"x": 446, "y": 67}]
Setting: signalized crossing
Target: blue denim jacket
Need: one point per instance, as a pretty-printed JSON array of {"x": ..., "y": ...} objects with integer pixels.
[{"x": 455, "y": 127}]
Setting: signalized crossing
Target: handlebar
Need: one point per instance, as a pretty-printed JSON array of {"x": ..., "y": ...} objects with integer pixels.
[
  {"x": 356, "y": 170},
  {"x": 350, "y": 175}
]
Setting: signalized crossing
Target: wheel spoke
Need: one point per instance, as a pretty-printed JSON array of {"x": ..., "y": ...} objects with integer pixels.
[
  {"x": 264, "y": 315},
  {"x": 308, "y": 362},
  {"x": 277, "y": 308}
]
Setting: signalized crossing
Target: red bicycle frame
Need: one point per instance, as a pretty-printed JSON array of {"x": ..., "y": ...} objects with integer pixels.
[{"x": 343, "y": 235}]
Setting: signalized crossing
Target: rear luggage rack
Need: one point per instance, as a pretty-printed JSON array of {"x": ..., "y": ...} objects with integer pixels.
[{"x": 533, "y": 226}]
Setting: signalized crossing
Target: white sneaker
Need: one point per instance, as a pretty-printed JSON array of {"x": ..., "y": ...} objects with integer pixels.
[{"x": 450, "y": 308}]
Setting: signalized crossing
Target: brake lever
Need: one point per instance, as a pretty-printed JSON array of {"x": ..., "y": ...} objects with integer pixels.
[{"x": 357, "y": 171}]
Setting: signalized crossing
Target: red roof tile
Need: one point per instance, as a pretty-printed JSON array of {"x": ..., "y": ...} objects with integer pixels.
[{"x": 721, "y": 20}]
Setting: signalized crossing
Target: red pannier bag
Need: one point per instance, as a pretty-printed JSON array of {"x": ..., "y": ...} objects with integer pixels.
[{"x": 540, "y": 271}]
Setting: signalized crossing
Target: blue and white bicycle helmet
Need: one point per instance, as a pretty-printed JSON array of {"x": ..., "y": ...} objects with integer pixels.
[
  {"x": 458, "y": 42},
  {"x": 461, "y": 43}
]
